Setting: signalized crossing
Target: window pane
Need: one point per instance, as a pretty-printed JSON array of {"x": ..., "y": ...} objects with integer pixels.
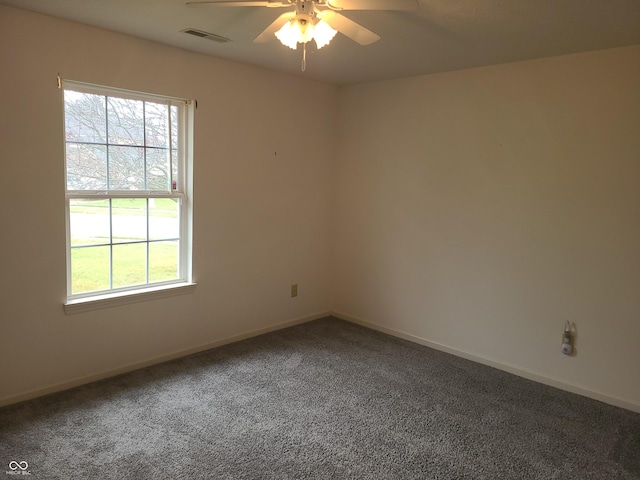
[
  {"x": 126, "y": 168},
  {"x": 156, "y": 125},
  {"x": 163, "y": 219},
  {"x": 89, "y": 222},
  {"x": 129, "y": 219},
  {"x": 174, "y": 168},
  {"x": 89, "y": 269},
  {"x": 158, "y": 169},
  {"x": 175, "y": 145},
  {"x": 129, "y": 264},
  {"x": 85, "y": 117},
  {"x": 163, "y": 261},
  {"x": 174, "y": 127},
  {"x": 86, "y": 167},
  {"x": 125, "y": 121}
]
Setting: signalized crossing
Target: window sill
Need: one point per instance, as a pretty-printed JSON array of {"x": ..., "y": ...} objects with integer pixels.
[{"x": 115, "y": 299}]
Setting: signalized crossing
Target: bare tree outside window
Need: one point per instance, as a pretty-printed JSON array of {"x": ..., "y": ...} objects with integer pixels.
[{"x": 118, "y": 143}]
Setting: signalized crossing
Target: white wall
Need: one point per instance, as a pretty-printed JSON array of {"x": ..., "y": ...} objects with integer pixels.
[
  {"x": 261, "y": 220},
  {"x": 477, "y": 210},
  {"x": 481, "y": 209}
]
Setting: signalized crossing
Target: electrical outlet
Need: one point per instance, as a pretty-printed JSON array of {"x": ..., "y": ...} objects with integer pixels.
[{"x": 294, "y": 290}]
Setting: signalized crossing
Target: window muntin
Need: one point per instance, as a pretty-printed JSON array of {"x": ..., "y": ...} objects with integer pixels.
[{"x": 126, "y": 172}]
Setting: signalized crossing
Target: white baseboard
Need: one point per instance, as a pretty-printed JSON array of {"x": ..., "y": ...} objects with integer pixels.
[
  {"x": 76, "y": 382},
  {"x": 618, "y": 402}
]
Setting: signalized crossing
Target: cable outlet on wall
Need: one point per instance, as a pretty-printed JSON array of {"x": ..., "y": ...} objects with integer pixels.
[{"x": 294, "y": 290}]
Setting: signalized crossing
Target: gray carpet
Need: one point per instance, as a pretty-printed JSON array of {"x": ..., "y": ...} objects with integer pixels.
[{"x": 323, "y": 400}]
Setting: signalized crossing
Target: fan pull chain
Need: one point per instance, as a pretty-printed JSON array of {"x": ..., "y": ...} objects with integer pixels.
[{"x": 304, "y": 57}]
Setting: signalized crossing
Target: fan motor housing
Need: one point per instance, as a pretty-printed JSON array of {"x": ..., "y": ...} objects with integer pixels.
[{"x": 305, "y": 8}]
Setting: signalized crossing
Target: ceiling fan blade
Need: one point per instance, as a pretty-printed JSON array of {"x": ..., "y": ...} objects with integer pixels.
[
  {"x": 242, "y": 3},
  {"x": 373, "y": 4},
  {"x": 349, "y": 28},
  {"x": 269, "y": 33}
]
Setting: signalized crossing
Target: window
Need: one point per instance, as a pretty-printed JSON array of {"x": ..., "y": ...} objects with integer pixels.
[{"x": 127, "y": 162}]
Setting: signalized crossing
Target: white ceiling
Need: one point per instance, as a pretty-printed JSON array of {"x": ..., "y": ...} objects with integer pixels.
[{"x": 443, "y": 35}]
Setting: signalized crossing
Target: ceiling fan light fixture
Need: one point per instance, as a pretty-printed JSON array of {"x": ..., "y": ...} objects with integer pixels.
[{"x": 303, "y": 29}]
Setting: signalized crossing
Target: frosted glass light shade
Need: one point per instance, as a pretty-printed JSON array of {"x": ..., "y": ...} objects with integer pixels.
[
  {"x": 323, "y": 34},
  {"x": 288, "y": 34}
]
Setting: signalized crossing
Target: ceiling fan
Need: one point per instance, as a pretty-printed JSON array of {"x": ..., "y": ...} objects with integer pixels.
[{"x": 317, "y": 20}]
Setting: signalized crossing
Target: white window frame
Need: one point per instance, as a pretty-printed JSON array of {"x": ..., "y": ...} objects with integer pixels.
[{"x": 183, "y": 191}]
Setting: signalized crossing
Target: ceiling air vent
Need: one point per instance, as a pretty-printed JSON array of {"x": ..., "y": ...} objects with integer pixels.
[{"x": 207, "y": 35}]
